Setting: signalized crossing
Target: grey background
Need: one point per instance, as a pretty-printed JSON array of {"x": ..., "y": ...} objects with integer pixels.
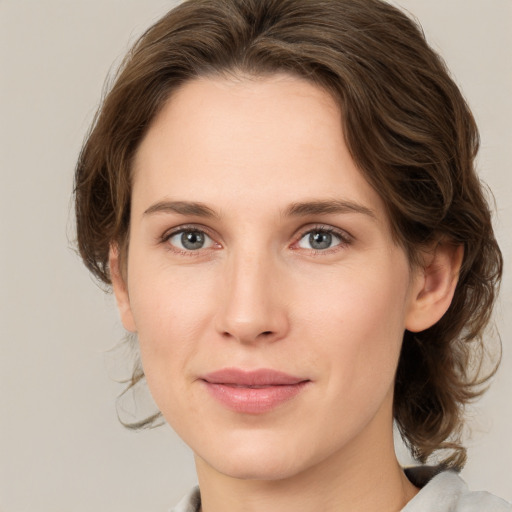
[{"x": 61, "y": 446}]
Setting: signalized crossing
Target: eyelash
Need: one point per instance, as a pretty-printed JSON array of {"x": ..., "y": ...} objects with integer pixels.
[
  {"x": 343, "y": 236},
  {"x": 185, "y": 229}
]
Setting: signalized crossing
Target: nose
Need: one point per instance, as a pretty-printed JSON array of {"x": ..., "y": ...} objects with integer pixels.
[{"x": 252, "y": 305}]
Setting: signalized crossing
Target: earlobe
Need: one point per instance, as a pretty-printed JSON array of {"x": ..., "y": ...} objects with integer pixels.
[
  {"x": 434, "y": 286},
  {"x": 120, "y": 290}
]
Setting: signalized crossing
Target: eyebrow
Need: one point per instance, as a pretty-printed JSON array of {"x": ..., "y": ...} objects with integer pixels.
[
  {"x": 300, "y": 209},
  {"x": 182, "y": 208},
  {"x": 322, "y": 207}
]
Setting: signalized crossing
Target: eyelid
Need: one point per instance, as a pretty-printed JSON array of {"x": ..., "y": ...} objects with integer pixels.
[
  {"x": 345, "y": 237},
  {"x": 167, "y": 235}
]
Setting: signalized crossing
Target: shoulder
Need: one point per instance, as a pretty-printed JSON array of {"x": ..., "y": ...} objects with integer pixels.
[
  {"x": 191, "y": 502},
  {"x": 447, "y": 492},
  {"x": 441, "y": 492}
]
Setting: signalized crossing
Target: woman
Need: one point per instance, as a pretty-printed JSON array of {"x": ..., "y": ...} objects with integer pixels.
[{"x": 282, "y": 195}]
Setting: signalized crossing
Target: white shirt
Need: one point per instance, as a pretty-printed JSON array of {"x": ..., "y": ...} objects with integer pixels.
[{"x": 445, "y": 492}]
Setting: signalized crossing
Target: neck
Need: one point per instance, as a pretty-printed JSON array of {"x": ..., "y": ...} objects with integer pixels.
[{"x": 363, "y": 477}]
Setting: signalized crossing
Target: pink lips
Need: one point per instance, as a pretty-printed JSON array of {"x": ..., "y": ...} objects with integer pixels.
[{"x": 252, "y": 392}]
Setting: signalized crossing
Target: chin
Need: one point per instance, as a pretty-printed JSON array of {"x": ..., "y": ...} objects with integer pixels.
[
  {"x": 256, "y": 460},
  {"x": 251, "y": 469}
]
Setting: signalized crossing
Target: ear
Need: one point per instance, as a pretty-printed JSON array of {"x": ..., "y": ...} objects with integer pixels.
[
  {"x": 434, "y": 286},
  {"x": 120, "y": 289}
]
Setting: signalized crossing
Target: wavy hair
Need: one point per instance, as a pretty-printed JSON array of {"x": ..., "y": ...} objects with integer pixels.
[{"x": 408, "y": 129}]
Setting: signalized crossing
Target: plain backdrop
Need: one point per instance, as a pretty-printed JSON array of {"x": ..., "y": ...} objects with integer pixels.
[{"x": 61, "y": 445}]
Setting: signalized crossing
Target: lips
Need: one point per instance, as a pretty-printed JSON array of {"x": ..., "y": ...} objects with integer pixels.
[{"x": 252, "y": 392}]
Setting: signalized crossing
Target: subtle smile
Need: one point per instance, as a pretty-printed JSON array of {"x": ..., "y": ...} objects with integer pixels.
[{"x": 253, "y": 392}]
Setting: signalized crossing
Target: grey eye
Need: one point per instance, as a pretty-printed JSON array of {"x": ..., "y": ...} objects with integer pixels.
[
  {"x": 319, "y": 240},
  {"x": 191, "y": 240}
]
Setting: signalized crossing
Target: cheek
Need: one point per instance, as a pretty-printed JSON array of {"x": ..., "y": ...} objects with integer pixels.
[
  {"x": 172, "y": 311},
  {"x": 166, "y": 300},
  {"x": 357, "y": 324}
]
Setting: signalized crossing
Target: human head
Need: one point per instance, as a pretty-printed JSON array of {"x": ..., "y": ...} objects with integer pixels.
[{"x": 406, "y": 124}]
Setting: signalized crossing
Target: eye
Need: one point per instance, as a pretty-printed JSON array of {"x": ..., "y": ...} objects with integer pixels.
[
  {"x": 321, "y": 239},
  {"x": 190, "y": 240}
]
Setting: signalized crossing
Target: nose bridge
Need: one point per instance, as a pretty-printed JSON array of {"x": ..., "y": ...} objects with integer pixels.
[{"x": 252, "y": 307}]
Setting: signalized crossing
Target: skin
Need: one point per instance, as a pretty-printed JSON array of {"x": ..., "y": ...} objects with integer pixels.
[{"x": 258, "y": 294}]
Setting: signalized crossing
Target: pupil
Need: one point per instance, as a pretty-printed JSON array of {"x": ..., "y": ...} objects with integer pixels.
[
  {"x": 320, "y": 240},
  {"x": 192, "y": 240}
]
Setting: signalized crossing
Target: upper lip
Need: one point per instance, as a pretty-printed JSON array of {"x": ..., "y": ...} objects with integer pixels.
[{"x": 260, "y": 377}]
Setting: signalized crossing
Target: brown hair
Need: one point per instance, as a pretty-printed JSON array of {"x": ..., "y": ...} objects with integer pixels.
[{"x": 406, "y": 124}]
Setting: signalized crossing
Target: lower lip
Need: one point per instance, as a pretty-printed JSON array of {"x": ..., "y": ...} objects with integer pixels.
[{"x": 254, "y": 400}]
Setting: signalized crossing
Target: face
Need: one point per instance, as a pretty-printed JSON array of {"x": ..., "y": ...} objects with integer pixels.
[{"x": 262, "y": 279}]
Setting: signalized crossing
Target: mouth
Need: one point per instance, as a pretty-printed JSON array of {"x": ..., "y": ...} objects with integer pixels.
[{"x": 253, "y": 392}]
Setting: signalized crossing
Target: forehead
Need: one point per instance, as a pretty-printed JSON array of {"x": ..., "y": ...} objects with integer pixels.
[{"x": 264, "y": 141}]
